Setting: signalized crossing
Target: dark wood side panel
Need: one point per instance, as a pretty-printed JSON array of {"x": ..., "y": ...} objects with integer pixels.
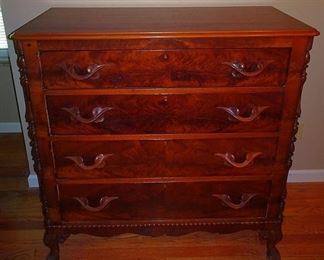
[
  {"x": 164, "y": 158},
  {"x": 163, "y": 201},
  {"x": 162, "y": 114}
]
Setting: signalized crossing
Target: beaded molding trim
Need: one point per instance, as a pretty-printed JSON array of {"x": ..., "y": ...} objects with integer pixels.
[{"x": 135, "y": 225}]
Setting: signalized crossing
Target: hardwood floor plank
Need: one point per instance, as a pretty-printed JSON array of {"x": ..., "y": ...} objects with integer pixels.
[
  {"x": 303, "y": 258},
  {"x": 304, "y": 207},
  {"x": 13, "y": 184},
  {"x": 303, "y": 225},
  {"x": 307, "y": 190},
  {"x": 12, "y": 156}
]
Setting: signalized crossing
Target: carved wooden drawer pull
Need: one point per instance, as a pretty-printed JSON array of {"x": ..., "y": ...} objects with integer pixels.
[
  {"x": 103, "y": 203},
  {"x": 234, "y": 113},
  {"x": 99, "y": 161},
  {"x": 97, "y": 114},
  {"x": 226, "y": 199},
  {"x": 240, "y": 69},
  {"x": 230, "y": 158},
  {"x": 74, "y": 70}
]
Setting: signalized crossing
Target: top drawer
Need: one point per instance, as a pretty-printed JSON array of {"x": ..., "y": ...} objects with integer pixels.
[{"x": 164, "y": 68}]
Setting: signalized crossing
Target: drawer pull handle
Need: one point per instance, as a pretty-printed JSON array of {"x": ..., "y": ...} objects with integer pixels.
[
  {"x": 97, "y": 114},
  {"x": 103, "y": 203},
  {"x": 230, "y": 158},
  {"x": 99, "y": 161},
  {"x": 240, "y": 69},
  {"x": 234, "y": 113},
  {"x": 73, "y": 70},
  {"x": 226, "y": 199}
]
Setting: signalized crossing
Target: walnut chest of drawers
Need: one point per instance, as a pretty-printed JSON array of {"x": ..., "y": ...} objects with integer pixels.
[{"x": 162, "y": 121}]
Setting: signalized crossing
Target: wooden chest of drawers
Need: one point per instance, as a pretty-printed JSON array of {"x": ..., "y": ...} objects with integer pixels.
[{"x": 163, "y": 121}]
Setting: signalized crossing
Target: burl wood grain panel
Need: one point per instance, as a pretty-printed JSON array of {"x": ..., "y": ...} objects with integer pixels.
[
  {"x": 164, "y": 68},
  {"x": 163, "y": 201},
  {"x": 160, "y": 114},
  {"x": 164, "y": 158}
]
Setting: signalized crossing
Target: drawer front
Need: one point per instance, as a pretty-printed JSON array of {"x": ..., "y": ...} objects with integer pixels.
[
  {"x": 160, "y": 201},
  {"x": 169, "y": 68},
  {"x": 164, "y": 158},
  {"x": 162, "y": 114}
]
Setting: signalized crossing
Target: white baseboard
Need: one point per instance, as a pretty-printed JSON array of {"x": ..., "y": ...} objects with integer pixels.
[
  {"x": 314, "y": 175},
  {"x": 294, "y": 176},
  {"x": 10, "y": 127},
  {"x": 32, "y": 181}
]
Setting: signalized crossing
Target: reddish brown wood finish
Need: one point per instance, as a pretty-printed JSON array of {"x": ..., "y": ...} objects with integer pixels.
[
  {"x": 168, "y": 68},
  {"x": 164, "y": 114},
  {"x": 183, "y": 123},
  {"x": 164, "y": 158},
  {"x": 169, "y": 201},
  {"x": 103, "y": 23}
]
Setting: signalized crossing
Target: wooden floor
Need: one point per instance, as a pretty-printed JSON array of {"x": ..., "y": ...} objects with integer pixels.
[{"x": 21, "y": 226}]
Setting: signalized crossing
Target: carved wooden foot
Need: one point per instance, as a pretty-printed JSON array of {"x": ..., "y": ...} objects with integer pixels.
[
  {"x": 273, "y": 253},
  {"x": 272, "y": 237},
  {"x": 52, "y": 240}
]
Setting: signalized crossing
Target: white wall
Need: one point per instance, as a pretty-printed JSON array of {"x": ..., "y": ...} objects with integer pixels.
[
  {"x": 15, "y": 14},
  {"x": 310, "y": 145},
  {"x": 8, "y": 105}
]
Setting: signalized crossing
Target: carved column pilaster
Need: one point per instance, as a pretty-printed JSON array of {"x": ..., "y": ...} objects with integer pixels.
[
  {"x": 303, "y": 76},
  {"x": 28, "y": 115},
  {"x": 273, "y": 234},
  {"x": 30, "y": 121}
]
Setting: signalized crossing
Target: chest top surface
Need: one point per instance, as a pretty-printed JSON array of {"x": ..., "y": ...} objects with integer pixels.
[{"x": 105, "y": 23}]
